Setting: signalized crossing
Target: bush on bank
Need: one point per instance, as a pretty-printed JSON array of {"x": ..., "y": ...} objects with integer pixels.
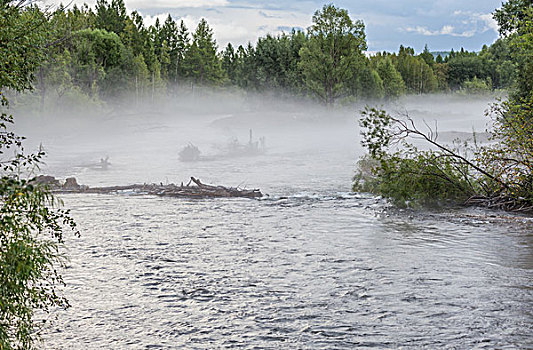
[{"x": 496, "y": 175}]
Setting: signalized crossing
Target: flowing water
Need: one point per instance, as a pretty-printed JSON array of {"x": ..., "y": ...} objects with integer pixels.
[{"x": 312, "y": 265}]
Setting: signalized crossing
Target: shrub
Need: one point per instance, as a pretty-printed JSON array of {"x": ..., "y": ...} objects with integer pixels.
[{"x": 498, "y": 175}]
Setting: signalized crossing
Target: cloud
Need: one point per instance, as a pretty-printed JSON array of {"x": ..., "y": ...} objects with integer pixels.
[
  {"x": 148, "y": 4},
  {"x": 150, "y": 20},
  {"x": 240, "y": 25},
  {"x": 490, "y": 23},
  {"x": 371, "y": 53},
  {"x": 224, "y": 31},
  {"x": 445, "y": 30},
  {"x": 266, "y": 15},
  {"x": 483, "y": 20},
  {"x": 140, "y": 4}
]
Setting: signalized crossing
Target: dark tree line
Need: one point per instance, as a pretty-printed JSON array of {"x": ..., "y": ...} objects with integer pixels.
[{"x": 99, "y": 54}]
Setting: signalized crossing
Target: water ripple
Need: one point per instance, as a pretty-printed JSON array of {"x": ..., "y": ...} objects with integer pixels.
[{"x": 262, "y": 274}]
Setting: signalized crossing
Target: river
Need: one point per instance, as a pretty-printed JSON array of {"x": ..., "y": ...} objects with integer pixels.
[{"x": 311, "y": 265}]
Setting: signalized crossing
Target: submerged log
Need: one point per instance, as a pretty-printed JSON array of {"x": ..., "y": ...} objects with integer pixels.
[{"x": 199, "y": 190}]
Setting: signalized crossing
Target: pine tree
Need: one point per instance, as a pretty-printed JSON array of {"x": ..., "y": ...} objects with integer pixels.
[
  {"x": 201, "y": 62},
  {"x": 111, "y": 17},
  {"x": 427, "y": 56},
  {"x": 169, "y": 34}
]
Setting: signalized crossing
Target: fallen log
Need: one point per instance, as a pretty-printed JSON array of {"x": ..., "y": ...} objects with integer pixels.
[{"x": 198, "y": 190}]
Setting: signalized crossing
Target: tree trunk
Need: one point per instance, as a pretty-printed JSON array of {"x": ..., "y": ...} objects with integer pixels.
[{"x": 42, "y": 88}]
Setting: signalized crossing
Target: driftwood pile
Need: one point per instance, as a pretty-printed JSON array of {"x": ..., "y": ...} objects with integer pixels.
[
  {"x": 233, "y": 149},
  {"x": 501, "y": 203},
  {"x": 198, "y": 190}
]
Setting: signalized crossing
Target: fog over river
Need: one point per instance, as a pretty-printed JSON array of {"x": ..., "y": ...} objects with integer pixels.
[{"x": 310, "y": 265}]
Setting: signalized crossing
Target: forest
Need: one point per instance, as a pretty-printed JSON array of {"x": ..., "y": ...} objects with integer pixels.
[{"x": 95, "y": 55}]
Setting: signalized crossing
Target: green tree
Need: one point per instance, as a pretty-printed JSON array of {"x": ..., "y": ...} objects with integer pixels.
[
  {"x": 142, "y": 77},
  {"x": 19, "y": 50},
  {"x": 393, "y": 84},
  {"x": 155, "y": 37},
  {"x": 169, "y": 34},
  {"x": 54, "y": 74},
  {"x": 369, "y": 84},
  {"x": 134, "y": 36},
  {"x": 111, "y": 17},
  {"x": 512, "y": 15},
  {"x": 416, "y": 73},
  {"x": 201, "y": 61},
  {"x": 498, "y": 64},
  {"x": 276, "y": 61},
  {"x": 31, "y": 229},
  {"x": 333, "y": 53},
  {"x": 298, "y": 39},
  {"x": 440, "y": 70},
  {"x": 229, "y": 62},
  {"x": 427, "y": 56},
  {"x": 476, "y": 86},
  {"x": 96, "y": 53},
  {"x": 80, "y": 18},
  {"x": 522, "y": 53},
  {"x": 182, "y": 45},
  {"x": 246, "y": 68},
  {"x": 464, "y": 66}
]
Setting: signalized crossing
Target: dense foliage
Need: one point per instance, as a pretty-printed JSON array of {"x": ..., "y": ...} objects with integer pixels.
[
  {"x": 333, "y": 53},
  {"x": 98, "y": 54},
  {"x": 499, "y": 174},
  {"x": 31, "y": 226},
  {"x": 396, "y": 169}
]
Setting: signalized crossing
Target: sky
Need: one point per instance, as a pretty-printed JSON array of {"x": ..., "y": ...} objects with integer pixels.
[{"x": 441, "y": 24}]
